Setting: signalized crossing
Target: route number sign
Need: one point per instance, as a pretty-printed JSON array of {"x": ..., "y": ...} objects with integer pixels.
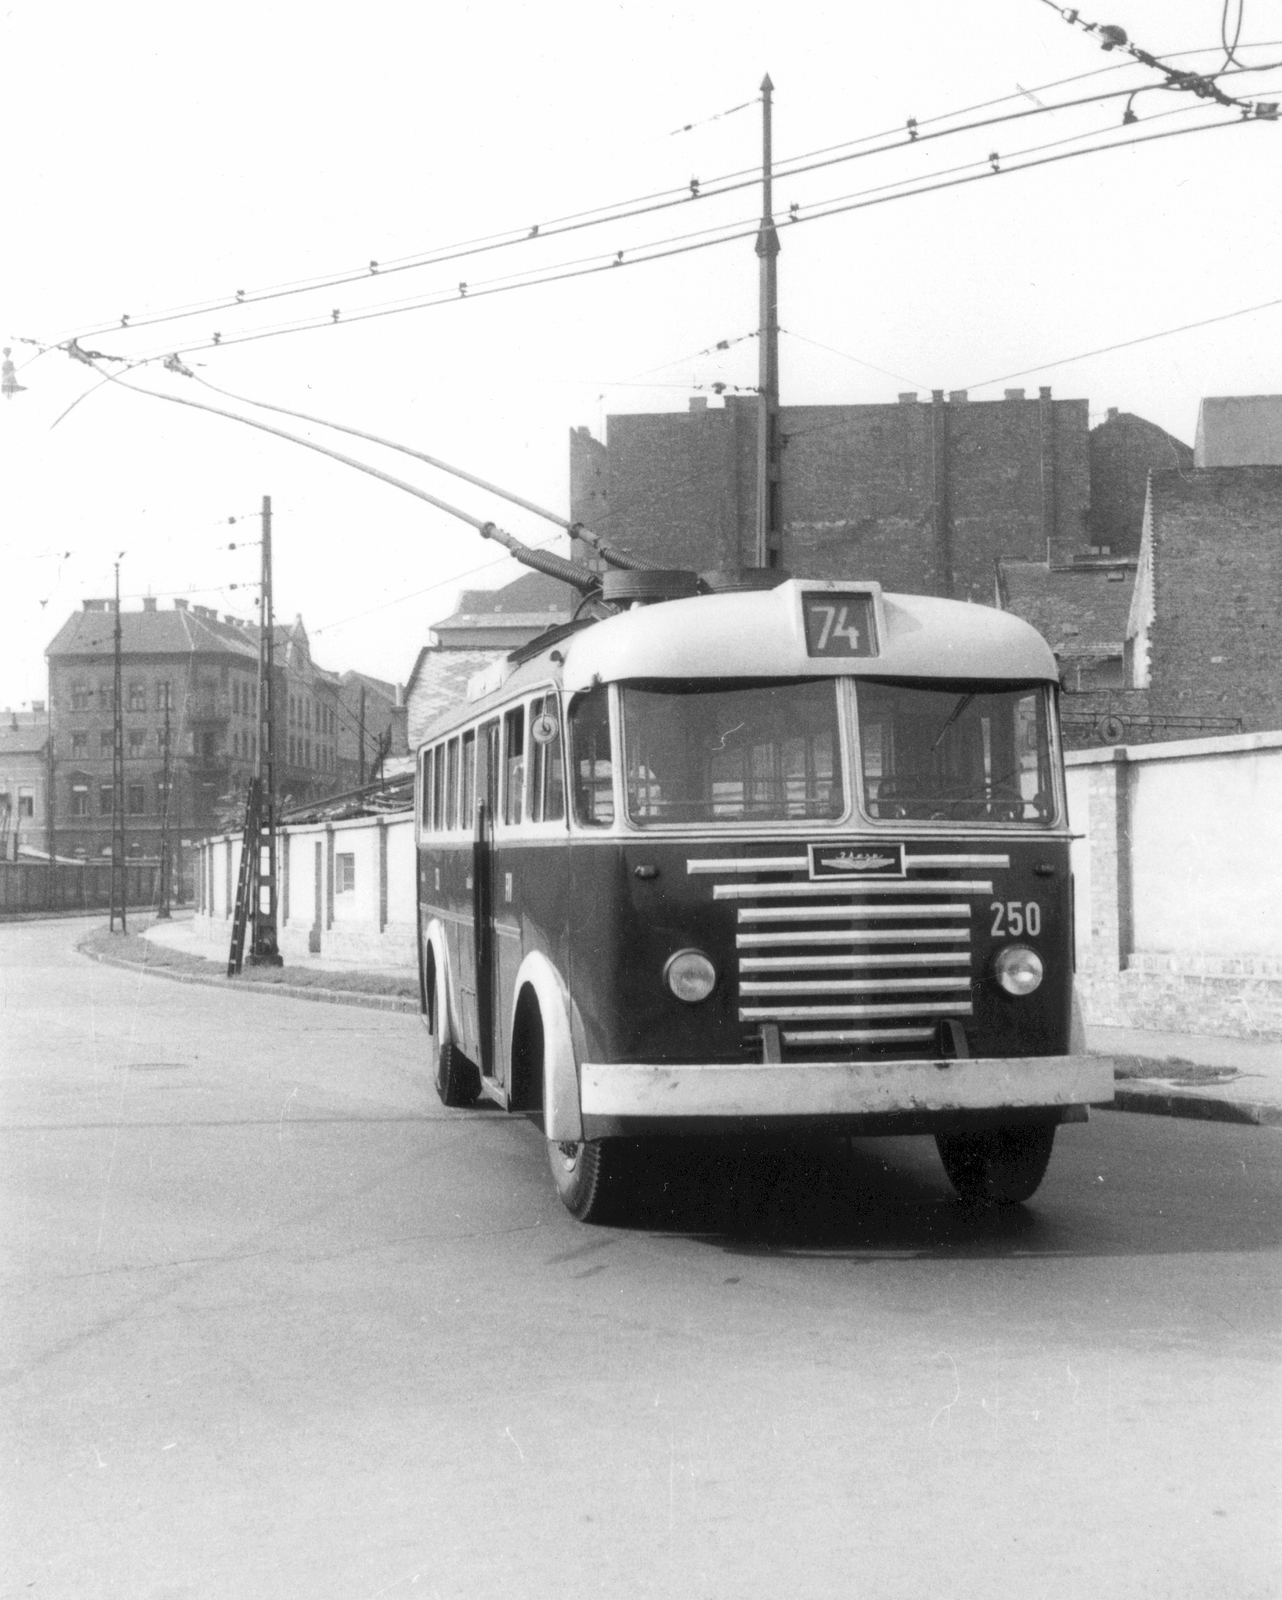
[{"x": 839, "y": 624}]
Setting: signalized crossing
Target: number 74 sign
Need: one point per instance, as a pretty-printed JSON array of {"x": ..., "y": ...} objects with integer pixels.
[{"x": 838, "y": 624}]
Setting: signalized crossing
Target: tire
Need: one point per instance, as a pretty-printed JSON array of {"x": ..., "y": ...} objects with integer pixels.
[
  {"x": 1004, "y": 1165},
  {"x": 591, "y": 1177},
  {"x": 458, "y": 1082}
]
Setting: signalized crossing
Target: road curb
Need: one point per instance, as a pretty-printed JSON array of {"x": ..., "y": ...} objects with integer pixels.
[
  {"x": 287, "y": 991},
  {"x": 1201, "y": 1107}
]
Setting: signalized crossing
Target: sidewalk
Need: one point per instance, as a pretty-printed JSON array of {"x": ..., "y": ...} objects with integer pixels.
[
  {"x": 181, "y": 933},
  {"x": 1194, "y": 1074}
]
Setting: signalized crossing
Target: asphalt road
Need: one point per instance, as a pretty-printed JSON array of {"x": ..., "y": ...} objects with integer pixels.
[{"x": 277, "y": 1324}]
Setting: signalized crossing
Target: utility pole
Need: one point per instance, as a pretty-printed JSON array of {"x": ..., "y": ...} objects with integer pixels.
[
  {"x": 769, "y": 531},
  {"x": 263, "y": 951},
  {"x": 360, "y": 741},
  {"x": 51, "y": 886},
  {"x": 118, "y": 780},
  {"x": 162, "y": 910}
]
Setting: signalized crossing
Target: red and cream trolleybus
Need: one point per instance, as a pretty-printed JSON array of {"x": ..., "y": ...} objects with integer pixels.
[{"x": 777, "y": 858}]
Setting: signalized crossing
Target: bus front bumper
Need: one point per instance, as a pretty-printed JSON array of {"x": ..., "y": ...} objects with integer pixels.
[{"x": 616, "y": 1096}]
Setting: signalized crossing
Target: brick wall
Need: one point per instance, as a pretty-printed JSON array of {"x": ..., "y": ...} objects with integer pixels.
[
  {"x": 922, "y": 497},
  {"x": 1216, "y": 636}
]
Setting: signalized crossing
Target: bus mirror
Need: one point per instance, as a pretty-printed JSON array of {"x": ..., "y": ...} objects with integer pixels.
[{"x": 543, "y": 729}]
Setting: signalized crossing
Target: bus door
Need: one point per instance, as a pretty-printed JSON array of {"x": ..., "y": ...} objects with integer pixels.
[{"x": 487, "y": 789}]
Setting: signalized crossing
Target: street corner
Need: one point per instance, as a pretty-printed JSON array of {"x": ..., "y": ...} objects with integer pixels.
[{"x": 1180, "y": 1088}]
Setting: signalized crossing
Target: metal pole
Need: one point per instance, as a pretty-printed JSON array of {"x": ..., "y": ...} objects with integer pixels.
[
  {"x": 162, "y": 910},
  {"x": 769, "y": 533},
  {"x": 51, "y": 883},
  {"x": 263, "y": 949},
  {"x": 118, "y": 781}
]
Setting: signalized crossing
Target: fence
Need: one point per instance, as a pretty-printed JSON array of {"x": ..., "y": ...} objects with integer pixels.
[
  {"x": 346, "y": 889},
  {"x": 1179, "y": 916},
  {"x": 35, "y": 886}
]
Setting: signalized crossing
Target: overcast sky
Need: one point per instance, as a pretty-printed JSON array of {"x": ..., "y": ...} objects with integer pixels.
[{"x": 161, "y": 156}]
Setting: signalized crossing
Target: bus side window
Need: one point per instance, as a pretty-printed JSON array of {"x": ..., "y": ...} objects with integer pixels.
[
  {"x": 514, "y": 764},
  {"x": 593, "y": 767},
  {"x": 424, "y": 791},
  {"x": 451, "y": 785},
  {"x": 547, "y": 780},
  {"x": 438, "y": 789},
  {"x": 467, "y": 785},
  {"x": 487, "y": 767}
]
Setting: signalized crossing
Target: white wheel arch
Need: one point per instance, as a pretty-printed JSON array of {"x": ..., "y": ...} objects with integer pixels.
[
  {"x": 562, "y": 1123},
  {"x": 437, "y": 947}
]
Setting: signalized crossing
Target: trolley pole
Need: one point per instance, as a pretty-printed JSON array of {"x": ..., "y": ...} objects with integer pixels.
[
  {"x": 263, "y": 950},
  {"x": 769, "y": 530},
  {"x": 118, "y": 869},
  {"x": 162, "y": 910}
]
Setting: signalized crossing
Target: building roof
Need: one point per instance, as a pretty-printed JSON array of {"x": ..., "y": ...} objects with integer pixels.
[
  {"x": 28, "y": 741},
  {"x": 1078, "y": 611},
  {"x": 439, "y": 680},
  {"x": 180, "y": 631},
  {"x": 1240, "y": 430},
  {"x": 531, "y": 592}
]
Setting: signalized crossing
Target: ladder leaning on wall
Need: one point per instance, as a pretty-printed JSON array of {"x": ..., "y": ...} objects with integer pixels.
[{"x": 247, "y": 882}]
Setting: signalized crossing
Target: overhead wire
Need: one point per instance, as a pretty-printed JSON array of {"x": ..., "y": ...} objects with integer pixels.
[
  {"x": 686, "y": 244},
  {"x": 616, "y": 212}
]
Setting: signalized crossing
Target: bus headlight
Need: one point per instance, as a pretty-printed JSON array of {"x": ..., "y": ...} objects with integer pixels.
[
  {"x": 1018, "y": 969},
  {"x": 690, "y": 976}
]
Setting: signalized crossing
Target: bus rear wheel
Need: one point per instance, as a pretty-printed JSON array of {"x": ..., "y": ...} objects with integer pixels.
[
  {"x": 589, "y": 1176},
  {"x": 457, "y": 1081},
  {"x": 1004, "y": 1165}
]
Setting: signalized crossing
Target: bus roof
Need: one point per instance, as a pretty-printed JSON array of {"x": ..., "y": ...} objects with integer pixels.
[{"x": 761, "y": 634}]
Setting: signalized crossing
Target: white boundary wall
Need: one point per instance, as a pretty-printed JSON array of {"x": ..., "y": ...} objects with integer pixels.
[
  {"x": 1179, "y": 884},
  {"x": 1178, "y": 872},
  {"x": 359, "y": 909}
]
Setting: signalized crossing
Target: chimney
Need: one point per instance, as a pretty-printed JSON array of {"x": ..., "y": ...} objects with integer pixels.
[
  {"x": 908, "y": 397},
  {"x": 234, "y": 621},
  {"x": 937, "y": 397},
  {"x": 149, "y": 602},
  {"x": 97, "y": 605},
  {"x": 959, "y": 397},
  {"x": 1014, "y": 394},
  {"x": 698, "y": 402},
  {"x": 1044, "y": 393},
  {"x": 179, "y": 604},
  {"x": 1112, "y": 413}
]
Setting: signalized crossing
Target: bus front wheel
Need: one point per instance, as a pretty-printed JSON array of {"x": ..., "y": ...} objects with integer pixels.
[
  {"x": 1004, "y": 1165},
  {"x": 588, "y": 1176}
]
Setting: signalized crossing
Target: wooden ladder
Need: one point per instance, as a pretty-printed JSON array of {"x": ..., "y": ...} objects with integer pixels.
[{"x": 247, "y": 882}]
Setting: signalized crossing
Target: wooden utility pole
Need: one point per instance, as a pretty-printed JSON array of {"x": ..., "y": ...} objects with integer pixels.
[
  {"x": 51, "y": 882},
  {"x": 769, "y": 530},
  {"x": 360, "y": 741},
  {"x": 118, "y": 869},
  {"x": 263, "y": 950}
]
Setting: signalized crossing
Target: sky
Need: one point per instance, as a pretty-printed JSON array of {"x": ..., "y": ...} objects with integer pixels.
[{"x": 163, "y": 157}]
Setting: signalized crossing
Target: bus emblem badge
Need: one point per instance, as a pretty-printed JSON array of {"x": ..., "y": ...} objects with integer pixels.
[{"x": 848, "y": 861}]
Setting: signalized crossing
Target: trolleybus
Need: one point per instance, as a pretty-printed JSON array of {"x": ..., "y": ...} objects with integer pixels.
[{"x": 781, "y": 858}]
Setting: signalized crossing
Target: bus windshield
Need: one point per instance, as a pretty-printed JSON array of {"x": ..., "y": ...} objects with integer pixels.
[
  {"x": 955, "y": 754},
  {"x": 732, "y": 752}
]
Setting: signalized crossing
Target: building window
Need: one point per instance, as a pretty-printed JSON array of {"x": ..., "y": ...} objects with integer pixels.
[
  {"x": 81, "y": 697},
  {"x": 105, "y": 792},
  {"x": 137, "y": 799},
  {"x": 137, "y": 696},
  {"x": 345, "y": 873},
  {"x": 80, "y": 851},
  {"x": 165, "y": 696},
  {"x": 80, "y": 744},
  {"x": 26, "y": 802},
  {"x": 79, "y": 799},
  {"x": 105, "y": 742},
  {"x": 307, "y": 752},
  {"x": 137, "y": 741}
]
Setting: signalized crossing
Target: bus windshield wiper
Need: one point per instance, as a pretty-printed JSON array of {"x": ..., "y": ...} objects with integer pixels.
[{"x": 953, "y": 715}]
